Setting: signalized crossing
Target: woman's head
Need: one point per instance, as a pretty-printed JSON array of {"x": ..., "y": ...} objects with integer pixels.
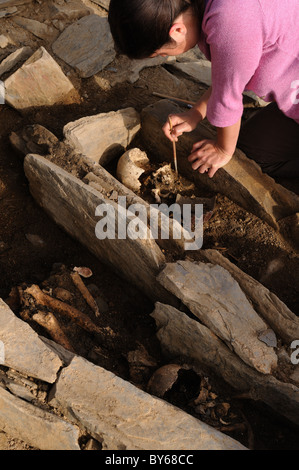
[{"x": 140, "y": 28}]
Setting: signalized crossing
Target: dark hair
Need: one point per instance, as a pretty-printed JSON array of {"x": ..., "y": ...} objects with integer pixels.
[{"x": 140, "y": 27}]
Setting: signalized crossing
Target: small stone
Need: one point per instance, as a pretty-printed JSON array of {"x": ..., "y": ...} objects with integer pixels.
[
  {"x": 268, "y": 337},
  {"x": 35, "y": 240}
]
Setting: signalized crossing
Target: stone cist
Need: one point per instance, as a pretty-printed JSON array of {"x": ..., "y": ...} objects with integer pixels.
[{"x": 252, "y": 45}]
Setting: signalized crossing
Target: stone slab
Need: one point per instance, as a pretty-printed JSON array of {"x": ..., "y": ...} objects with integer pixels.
[
  {"x": 86, "y": 45},
  {"x": 103, "y": 136},
  {"x": 39, "y": 429},
  {"x": 124, "y": 417},
  {"x": 39, "y": 82},
  {"x": 23, "y": 350},
  {"x": 213, "y": 296}
]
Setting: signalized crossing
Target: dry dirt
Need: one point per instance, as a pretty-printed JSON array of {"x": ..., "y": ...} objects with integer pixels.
[{"x": 48, "y": 260}]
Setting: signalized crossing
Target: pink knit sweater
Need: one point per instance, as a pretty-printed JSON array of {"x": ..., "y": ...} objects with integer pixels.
[{"x": 253, "y": 45}]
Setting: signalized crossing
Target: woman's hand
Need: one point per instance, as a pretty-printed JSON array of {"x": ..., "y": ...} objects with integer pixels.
[
  {"x": 207, "y": 156},
  {"x": 183, "y": 122}
]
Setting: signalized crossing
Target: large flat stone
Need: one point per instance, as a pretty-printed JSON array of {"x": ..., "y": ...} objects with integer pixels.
[
  {"x": 241, "y": 179},
  {"x": 72, "y": 205},
  {"x": 39, "y": 82},
  {"x": 124, "y": 417},
  {"x": 23, "y": 350},
  {"x": 181, "y": 336},
  {"x": 212, "y": 295},
  {"x": 34, "y": 426},
  {"x": 86, "y": 45},
  {"x": 103, "y": 136}
]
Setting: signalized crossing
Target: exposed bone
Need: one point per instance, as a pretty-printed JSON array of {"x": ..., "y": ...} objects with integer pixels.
[
  {"x": 64, "y": 309},
  {"x": 130, "y": 167},
  {"x": 52, "y": 326},
  {"x": 85, "y": 292}
]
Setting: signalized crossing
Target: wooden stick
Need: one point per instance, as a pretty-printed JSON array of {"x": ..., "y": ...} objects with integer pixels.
[
  {"x": 174, "y": 148},
  {"x": 64, "y": 309},
  {"x": 76, "y": 278},
  {"x": 52, "y": 326},
  {"x": 191, "y": 103}
]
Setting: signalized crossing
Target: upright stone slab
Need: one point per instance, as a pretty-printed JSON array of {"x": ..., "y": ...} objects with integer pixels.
[
  {"x": 39, "y": 82},
  {"x": 212, "y": 295},
  {"x": 14, "y": 58},
  {"x": 36, "y": 427},
  {"x": 86, "y": 45},
  {"x": 73, "y": 206},
  {"x": 103, "y": 136},
  {"x": 241, "y": 179},
  {"x": 122, "y": 416},
  {"x": 23, "y": 350}
]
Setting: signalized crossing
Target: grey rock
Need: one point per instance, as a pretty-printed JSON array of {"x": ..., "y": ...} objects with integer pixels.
[
  {"x": 276, "y": 314},
  {"x": 34, "y": 426},
  {"x": 40, "y": 30},
  {"x": 129, "y": 70},
  {"x": 39, "y": 82},
  {"x": 103, "y": 136},
  {"x": 268, "y": 337},
  {"x": 69, "y": 11},
  {"x": 213, "y": 296},
  {"x": 86, "y": 45},
  {"x": 122, "y": 416},
  {"x": 199, "y": 70},
  {"x": 14, "y": 58},
  {"x": 23, "y": 349}
]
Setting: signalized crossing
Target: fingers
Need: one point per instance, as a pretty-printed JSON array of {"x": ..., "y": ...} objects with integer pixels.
[
  {"x": 179, "y": 125},
  {"x": 201, "y": 158}
]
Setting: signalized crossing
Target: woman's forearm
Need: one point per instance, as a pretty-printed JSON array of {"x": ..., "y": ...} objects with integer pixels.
[
  {"x": 202, "y": 104},
  {"x": 227, "y": 138}
]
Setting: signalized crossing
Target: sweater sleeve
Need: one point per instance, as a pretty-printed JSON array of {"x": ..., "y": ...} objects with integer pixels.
[{"x": 234, "y": 34}]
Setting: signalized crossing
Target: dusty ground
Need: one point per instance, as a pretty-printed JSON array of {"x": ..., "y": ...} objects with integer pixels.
[{"x": 48, "y": 260}]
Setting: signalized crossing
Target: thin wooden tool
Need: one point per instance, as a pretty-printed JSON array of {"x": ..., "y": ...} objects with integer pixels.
[
  {"x": 174, "y": 148},
  {"x": 173, "y": 98}
]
